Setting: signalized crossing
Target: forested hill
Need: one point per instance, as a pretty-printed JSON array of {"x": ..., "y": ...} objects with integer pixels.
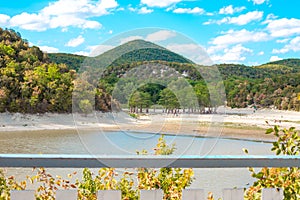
[
  {"x": 130, "y": 52},
  {"x": 32, "y": 81},
  {"x": 73, "y": 61}
]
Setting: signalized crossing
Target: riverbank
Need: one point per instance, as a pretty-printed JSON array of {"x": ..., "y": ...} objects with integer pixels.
[{"x": 228, "y": 123}]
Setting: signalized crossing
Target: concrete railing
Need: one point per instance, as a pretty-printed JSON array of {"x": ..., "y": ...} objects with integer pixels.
[{"x": 136, "y": 161}]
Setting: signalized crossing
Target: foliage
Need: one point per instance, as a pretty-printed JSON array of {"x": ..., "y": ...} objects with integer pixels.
[
  {"x": 170, "y": 180},
  {"x": 30, "y": 83},
  {"x": 49, "y": 184},
  {"x": 85, "y": 106},
  {"x": 71, "y": 60},
  {"x": 8, "y": 184},
  {"x": 288, "y": 143}
]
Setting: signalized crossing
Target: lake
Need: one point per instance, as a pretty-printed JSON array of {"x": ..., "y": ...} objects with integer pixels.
[{"x": 122, "y": 143}]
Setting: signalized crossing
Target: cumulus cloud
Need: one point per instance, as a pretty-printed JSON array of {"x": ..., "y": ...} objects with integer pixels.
[
  {"x": 64, "y": 13},
  {"x": 261, "y": 53},
  {"x": 75, "y": 41},
  {"x": 159, "y": 3},
  {"x": 191, "y": 51},
  {"x": 258, "y": 1},
  {"x": 4, "y": 19},
  {"x": 240, "y": 36},
  {"x": 82, "y": 53},
  {"x": 28, "y": 21},
  {"x": 230, "y": 10},
  {"x": 160, "y": 36},
  {"x": 274, "y": 58},
  {"x": 145, "y": 10},
  {"x": 130, "y": 38},
  {"x": 99, "y": 49},
  {"x": 234, "y": 54},
  {"x": 283, "y": 40},
  {"x": 293, "y": 45},
  {"x": 240, "y": 20},
  {"x": 48, "y": 49},
  {"x": 195, "y": 10},
  {"x": 283, "y": 27}
]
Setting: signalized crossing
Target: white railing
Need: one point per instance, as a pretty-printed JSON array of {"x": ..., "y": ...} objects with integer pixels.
[
  {"x": 136, "y": 161},
  {"x": 188, "y": 194}
]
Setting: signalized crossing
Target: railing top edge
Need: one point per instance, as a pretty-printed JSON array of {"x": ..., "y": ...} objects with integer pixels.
[{"x": 89, "y": 156}]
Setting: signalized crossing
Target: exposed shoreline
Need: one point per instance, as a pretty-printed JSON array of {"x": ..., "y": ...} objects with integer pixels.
[{"x": 242, "y": 124}]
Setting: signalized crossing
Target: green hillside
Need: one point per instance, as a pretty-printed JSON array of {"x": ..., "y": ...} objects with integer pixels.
[
  {"x": 32, "y": 81},
  {"x": 133, "y": 51},
  {"x": 140, "y": 51},
  {"x": 71, "y": 60}
]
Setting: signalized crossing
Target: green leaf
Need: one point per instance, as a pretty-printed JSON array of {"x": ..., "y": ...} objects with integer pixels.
[{"x": 269, "y": 130}]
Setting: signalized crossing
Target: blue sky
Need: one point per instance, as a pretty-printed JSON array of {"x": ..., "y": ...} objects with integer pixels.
[{"x": 250, "y": 32}]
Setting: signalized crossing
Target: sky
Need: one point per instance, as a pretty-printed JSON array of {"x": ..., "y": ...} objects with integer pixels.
[{"x": 249, "y": 32}]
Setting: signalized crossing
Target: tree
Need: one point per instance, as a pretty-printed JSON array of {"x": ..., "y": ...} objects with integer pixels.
[
  {"x": 168, "y": 100},
  {"x": 85, "y": 106}
]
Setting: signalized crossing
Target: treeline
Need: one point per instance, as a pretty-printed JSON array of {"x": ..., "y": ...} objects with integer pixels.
[
  {"x": 138, "y": 77},
  {"x": 30, "y": 83}
]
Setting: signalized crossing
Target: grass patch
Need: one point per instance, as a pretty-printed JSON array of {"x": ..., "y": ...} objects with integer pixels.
[{"x": 232, "y": 125}]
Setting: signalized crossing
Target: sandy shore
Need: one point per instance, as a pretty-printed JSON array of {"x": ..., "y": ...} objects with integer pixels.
[{"x": 228, "y": 123}]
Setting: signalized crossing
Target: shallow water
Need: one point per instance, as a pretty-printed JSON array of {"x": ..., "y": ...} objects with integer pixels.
[{"x": 117, "y": 143}]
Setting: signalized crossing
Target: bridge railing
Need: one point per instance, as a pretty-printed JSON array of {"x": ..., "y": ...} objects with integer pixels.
[{"x": 147, "y": 161}]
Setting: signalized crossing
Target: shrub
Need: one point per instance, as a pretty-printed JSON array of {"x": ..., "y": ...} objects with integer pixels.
[{"x": 288, "y": 143}]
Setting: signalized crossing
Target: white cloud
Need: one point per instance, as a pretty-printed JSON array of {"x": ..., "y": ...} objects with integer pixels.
[
  {"x": 195, "y": 10},
  {"x": 230, "y": 9},
  {"x": 64, "y": 13},
  {"x": 82, "y": 53},
  {"x": 261, "y": 53},
  {"x": 130, "y": 38},
  {"x": 240, "y": 36},
  {"x": 4, "y": 19},
  {"x": 240, "y": 20},
  {"x": 235, "y": 54},
  {"x": 75, "y": 41},
  {"x": 110, "y": 32},
  {"x": 246, "y": 18},
  {"x": 85, "y": 8},
  {"x": 64, "y": 30},
  {"x": 191, "y": 51},
  {"x": 159, "y": 3},
  {"x": 99, "y": 49},
  {"x": 283, "y": 40},
  {"x": 49, "y": 49},
  {"x": 145, "y": 10},
  {"x": 258, "y": 1},
  {"x": 283, "y": 27},
  {"x": 160, "y": 36},
  {"x": 71, "y": 20},
  {"x": 283, "y": 50},
  {"x": 28, "y": 21},
  {"x": 293, "y": 45},
  {"x": 274, "y": 58}
]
